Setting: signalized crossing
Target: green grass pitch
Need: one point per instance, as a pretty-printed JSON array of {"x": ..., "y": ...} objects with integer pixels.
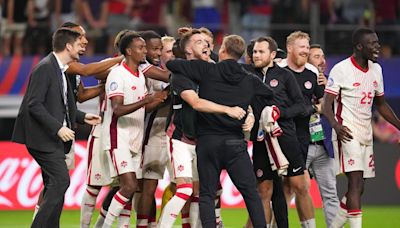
[{"x": 373, "y": 216}]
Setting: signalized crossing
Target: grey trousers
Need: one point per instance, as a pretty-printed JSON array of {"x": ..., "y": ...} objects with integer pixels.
[{"x": 322, "y": 167}]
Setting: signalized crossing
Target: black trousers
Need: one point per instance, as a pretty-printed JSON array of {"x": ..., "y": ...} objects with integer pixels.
[
  {"x": 217, "y": 152},
  {"x": 56, "y": 181}
]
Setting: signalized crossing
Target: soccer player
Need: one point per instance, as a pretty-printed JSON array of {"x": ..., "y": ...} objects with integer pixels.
[
  {"x": 220, "y": 138},
  {"x": 154, "y": 150},
  {"x": 298, "y": 47},
  {"x": 320, "y": 162},
  {"x": 124, "y": 120},
  {"x": 289, "y": 100},
  {"x": 181, "y": 134},
  {"x": 354, "y": 85}
]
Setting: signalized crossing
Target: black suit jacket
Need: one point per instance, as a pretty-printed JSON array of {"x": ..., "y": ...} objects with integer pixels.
[{"x": 42, "y": 111}]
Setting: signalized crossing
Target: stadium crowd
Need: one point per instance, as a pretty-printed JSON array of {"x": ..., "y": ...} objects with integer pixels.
[{"x": 102, "y": 19}]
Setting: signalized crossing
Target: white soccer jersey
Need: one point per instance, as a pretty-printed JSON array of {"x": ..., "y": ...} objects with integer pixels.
[
  {"x": 125, "y": 131},
  {"x": 355, "y": 89}
]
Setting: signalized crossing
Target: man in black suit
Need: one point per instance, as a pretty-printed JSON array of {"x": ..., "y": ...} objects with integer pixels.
[{"x": 45, "y": 121}]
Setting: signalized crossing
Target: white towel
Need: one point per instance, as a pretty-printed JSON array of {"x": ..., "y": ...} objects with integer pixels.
[{"x": 269, "y": 130}]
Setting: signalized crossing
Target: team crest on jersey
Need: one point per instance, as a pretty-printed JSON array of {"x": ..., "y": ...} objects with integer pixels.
[
  {"x": 375, "y": 84},
  {"x": 97, "y": 176},
  {"x": 356, "y": 84},
  {"x": 124, "y": 164},
  {"x": 273, "y": 83},
  {"x": 181, "y": 168},
  {"x": 133, "y": 87},
  {"x": 307, "y": 85},
  {"x": 113, "y": 86},
  {"x": 330, "y": 82},
  {"x": 351, "y": 162}
]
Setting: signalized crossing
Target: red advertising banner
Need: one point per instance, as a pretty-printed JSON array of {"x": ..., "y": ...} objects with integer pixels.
[{"x": 21, "y": 181}]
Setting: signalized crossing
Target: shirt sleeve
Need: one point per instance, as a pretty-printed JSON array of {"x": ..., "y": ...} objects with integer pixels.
[
  {"x": 379, "y": 89},
  {"x": 334, "y": 81},
  {"x": 181, "y": 83},
  {"x": 114, "y": 85},
  {"x": 145, "y": 66},
  {"x": 193, "y": 69}
]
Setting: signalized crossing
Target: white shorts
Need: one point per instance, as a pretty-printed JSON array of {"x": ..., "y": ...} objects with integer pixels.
[
  {"x": 123, "y": 160},
  {"x": 354, "y": 156},
  {"x": 183, "y": 159},
  {"x": 98, "y": 171},
  {"x": 155, "y": 154},
  {"x": 70, "y": 157}
]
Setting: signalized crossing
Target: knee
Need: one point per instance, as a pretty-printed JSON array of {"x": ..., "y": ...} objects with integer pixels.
[
  {"x": 265, "y": 193},
  {"x": 128, "y": 190},
  {"x": 301, "y": 189},
  {"x": 184, "y": 191}
]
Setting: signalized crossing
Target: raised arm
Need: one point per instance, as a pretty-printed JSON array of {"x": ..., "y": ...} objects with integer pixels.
[
  {"x": 93, "y": 68},
  {"x": 87, "y": 93}
]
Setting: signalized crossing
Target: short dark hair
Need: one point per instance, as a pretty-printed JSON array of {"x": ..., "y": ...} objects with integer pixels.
[
  {"x": 69, "y": 24},
  {"x": 234, "y": 46},
  {"x": 273, "y": 46},
  {"x": 359, "y": 33},
  {"x": 119, "y": 37},
  {"x": 63, "y": 36},
  {"x": 315, "y": 46},
  {"x": 126, "y": 41},
  {"x": 249, "y": 49},
  {"x": 186, "y": 37},
  {"x": 177, "y": 50},
  {"x": 149, "y": 34}
]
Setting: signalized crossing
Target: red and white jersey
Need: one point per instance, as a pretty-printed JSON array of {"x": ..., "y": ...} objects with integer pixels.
[
  {"x": 124, "y": 131},
  {"x": 355, "y": 89}
]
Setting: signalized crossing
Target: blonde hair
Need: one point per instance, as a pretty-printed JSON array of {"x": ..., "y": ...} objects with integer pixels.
[
  {"x": 206, "y": 31},
  {"x": 296, "y": 35},
  {"x": 167, "y": 39}
]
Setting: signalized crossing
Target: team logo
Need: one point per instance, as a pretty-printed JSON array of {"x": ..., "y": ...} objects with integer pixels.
[
  {"x": 273, "y": 83},
  {"x": 133, "y": 87},
  {"x": 375, "y": 84},
  {"x": 330, "y": 82},
  {"x": 124, "y": 164},
  {"x": 307, "y": 85},
  {"x": 356, "y": 84},
  {"x": 97, "y": 176},
  {"x": 181, "y": 168},
  {"x": 351, "y": 162},
  {"x": 259, "y": 173},
  {"x": 113, "y": 86}
]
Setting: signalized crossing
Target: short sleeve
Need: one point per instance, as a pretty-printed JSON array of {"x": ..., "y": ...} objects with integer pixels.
[
  {"x": 334, "y": 81},
  {"x": 181, "y": 83},
  {"x": 145, "y": 66},
  {"x": 114, "y": 84},
  {"x": 379, "y": 89}
]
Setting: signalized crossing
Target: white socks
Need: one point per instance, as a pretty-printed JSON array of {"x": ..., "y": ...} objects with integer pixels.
[
  {"x": 87, "y": 205},
  {"x": 175, "y": 205}
]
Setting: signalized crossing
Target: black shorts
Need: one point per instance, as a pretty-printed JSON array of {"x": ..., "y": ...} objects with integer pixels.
[
  {"x": 290, "y": 147},
  {"x": 261, "y": 163},
  {"x": 304, "y": 142}
]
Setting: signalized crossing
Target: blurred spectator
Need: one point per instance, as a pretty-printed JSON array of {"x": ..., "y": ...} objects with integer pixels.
[
  {"x": 207, "y": 14},
  {"x": 13, "y": 25},
  {"x": 256, "y": 19},
  {"x": 118, "y": 19},
  {"x": 64, "y": 11},
  {"x": 177, "y": 15},
  {"x": 39, "y": 39},
  {"x": 95, "y": 13},
  {"x": 354, "y": 11},
  {"x": 384, "y": 131},
  {"x": 386, "y": 14}
]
